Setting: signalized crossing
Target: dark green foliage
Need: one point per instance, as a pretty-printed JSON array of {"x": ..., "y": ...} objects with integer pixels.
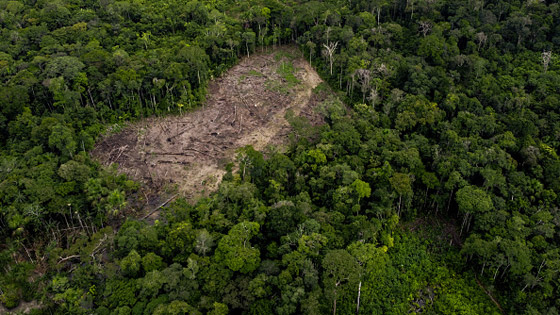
[{"x": 454, "y": 118}]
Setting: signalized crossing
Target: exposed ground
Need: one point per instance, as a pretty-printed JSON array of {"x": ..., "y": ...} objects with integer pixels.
[
  {"x": 246, "y": 106},
  {"x": 23, "y": 308}
]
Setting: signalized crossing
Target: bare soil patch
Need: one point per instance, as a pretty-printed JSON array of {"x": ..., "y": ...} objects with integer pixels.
[
  {"x": 246, "y": 106},
  {"x": 22, "y": 308}
]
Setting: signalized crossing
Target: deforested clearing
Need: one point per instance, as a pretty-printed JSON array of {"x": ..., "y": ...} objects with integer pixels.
[{"x": 246, "y": 106}]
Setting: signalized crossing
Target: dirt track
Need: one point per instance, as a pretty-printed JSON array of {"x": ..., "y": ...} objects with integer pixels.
[{"x": 189, "y": 152}]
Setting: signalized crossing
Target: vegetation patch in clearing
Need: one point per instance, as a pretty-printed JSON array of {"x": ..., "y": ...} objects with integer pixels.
[
  {"x": 288, "y": 73},
  {"x": 255, "y": 73}
]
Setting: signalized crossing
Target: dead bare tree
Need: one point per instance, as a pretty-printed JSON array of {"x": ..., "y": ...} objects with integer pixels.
[
  {"x": 425, "y": 27},
  {"x": 329, "y": 50},
  {"x": 546, "y": 57},
  {"x": 364, "y": 77},
  {"x": 373, "y": 96},
  {"x": 381, "y": 69},
  {"x": 410, "y": 3},
  {"x": 481, "y": 39}
]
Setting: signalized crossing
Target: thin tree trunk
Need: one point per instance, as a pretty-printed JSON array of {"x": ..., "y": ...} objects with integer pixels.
[
  {"x": 91, "y": 98},
  {"x": 28, "y": 255},
  {"x": 425, "y": 198},
  {"x": 449, "y": 201},
  {"x": 261, "y": 37},
  {"x": 465, "y": 218},
  {"x": 496, "y": 273},
  {"x": 139, "y": 97},
  {"x": 80, "y": 221},
  {"x": 359, "y": 293},
  {"x": 66, "y": 220}
]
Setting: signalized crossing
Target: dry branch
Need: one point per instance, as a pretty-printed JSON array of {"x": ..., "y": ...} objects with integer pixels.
[
  {"x": 159, "y": 207},
  {"x": 195, "y": 150},
  {"x": 173, "y": 162},
  {"x": 68, "y": 258},
  {"x": 121, "y": 149},
  {"x": 177, "y": 135},
  {"x": 170, "y": 153},
  {"x": 489, "y": 295}
]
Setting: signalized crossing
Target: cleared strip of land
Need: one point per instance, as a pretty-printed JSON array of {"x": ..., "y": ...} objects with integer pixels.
[{"x": 246, "y": 106}]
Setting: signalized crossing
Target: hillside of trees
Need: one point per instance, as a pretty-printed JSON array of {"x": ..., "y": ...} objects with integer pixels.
[{"x": 433, "y": 186}]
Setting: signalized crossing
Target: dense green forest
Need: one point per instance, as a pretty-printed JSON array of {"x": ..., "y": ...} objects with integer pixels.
[{"x": 432, "y": 187}]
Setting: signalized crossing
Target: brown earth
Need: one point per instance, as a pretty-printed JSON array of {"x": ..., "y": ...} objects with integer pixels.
[
  {"x": 246, "y": 106},
  {"x": 22, "y": 308}
]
